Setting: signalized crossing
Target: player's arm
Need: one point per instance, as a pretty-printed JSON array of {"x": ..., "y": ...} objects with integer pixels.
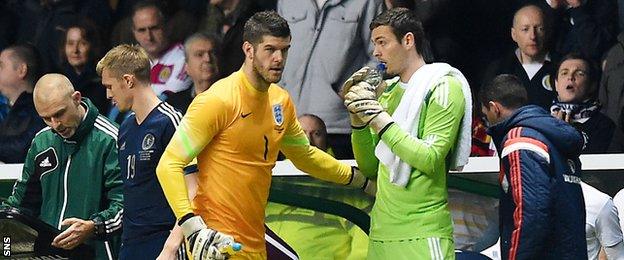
[
  {"x": 27, "y": 191},
  {"x": 109, "y": 220},
  {"x": 609, "y": 231},
  {"x": 363, "y": 142},
  {"x": 526, "y": 161},
  {"x": 176, "y": 237},
  {"x": 205, "y": 117},
  {"x": 311, "y": 160},
  {"x": 443, "y": 114}
]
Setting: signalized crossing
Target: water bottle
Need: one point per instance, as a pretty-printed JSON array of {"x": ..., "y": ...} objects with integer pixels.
[{"x": 375, "y": 76}]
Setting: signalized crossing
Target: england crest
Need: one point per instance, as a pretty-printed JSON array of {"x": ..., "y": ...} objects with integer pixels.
[{"x": 278, "y": 115}]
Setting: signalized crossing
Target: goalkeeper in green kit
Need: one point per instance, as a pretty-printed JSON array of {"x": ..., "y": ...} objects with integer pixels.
[{"x": 408, "y": 132}]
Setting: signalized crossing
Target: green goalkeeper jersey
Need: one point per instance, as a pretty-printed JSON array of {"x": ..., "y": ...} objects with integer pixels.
[{"x": 420, "y": 209}]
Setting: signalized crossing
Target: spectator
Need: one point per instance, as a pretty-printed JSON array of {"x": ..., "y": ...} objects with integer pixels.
[
  {"x": 80, "y": 49},
  {"x": 542, "y": 215},
  {"x": 611, "y": 91},
  {"x": 42, "y": 23},
  {"x": 317, "y": 67},
  {"x": 315, "y": 130},
  {"x": 71, "y": 173},
  {"x": 602, "y": 225},
  {"x": 201, "y": 54},
  {"x": 19, "y": 69},
  {"x": 167, "y": 59},
  {"x": 585, "y": 26},
  {"x": 427, "y": 134},
  {"x": 576, "y": 82},
  {"x": 530, "y": 62}
]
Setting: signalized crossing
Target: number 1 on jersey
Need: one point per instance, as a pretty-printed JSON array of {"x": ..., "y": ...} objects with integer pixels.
[{"x": 266, "y": 147}]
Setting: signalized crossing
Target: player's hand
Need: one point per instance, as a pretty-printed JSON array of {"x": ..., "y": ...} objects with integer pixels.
[
  {"x": 203, "y": 241},
  {"x": 370, "y": 112},
  {"x": 78, "y": 231},
  {"x": 365, "y": 110},
  {"x": 357, "y": 77},
  {"x": 360, "y": 91}
]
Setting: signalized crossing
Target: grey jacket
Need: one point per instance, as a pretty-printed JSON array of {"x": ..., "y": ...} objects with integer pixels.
[{"x": 328, "y": 45}]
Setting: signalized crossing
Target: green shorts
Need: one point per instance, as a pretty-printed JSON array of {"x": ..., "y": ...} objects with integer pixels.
[{"x": 433, "y": 248}]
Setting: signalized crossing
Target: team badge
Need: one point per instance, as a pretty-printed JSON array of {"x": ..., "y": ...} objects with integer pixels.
[
  {"x": 165, "y": 73},
  {"x": 546, "y": 83},
  {"x": 278, "y": 114},
  {"x": 160, "y": 73},
  {"x": 148, "y": 141}
]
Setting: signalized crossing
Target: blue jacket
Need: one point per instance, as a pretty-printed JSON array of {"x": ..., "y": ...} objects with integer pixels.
[{"x": 542, "y": 212}]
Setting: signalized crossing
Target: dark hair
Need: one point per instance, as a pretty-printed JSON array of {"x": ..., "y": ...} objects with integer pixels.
[
  {"x": 90, "y": 33},
  {"x": 265, "y": 23},
  {"x": 402, "y": 21},
  {"x": 593, "y": 73},
  {"x": 505, "y": 89},
  {"x": 150, "y": 4},
  {"x": 27, "y": 54}
]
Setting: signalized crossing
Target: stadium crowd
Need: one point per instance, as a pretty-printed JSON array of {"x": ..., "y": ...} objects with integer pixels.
[{"x": 104, "y": 73}]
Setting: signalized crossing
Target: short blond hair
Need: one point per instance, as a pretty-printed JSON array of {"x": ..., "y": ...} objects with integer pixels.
[{"x": 126, "y": 59}]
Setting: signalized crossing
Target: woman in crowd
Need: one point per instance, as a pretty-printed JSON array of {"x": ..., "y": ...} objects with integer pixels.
[{"x": 79, "y": 49}]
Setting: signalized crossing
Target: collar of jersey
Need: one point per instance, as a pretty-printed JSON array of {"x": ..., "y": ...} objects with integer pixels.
[{"x": 250, "y": 88}]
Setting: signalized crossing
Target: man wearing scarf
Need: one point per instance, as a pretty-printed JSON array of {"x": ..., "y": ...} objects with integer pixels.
[{"x": 575, "y": 82}]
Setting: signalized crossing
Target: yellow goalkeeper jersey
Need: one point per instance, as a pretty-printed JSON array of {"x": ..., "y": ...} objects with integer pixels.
[{"x": 236, "y": 131}]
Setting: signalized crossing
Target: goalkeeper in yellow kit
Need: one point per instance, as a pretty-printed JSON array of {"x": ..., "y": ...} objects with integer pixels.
[{"x": 236, "y": 129}]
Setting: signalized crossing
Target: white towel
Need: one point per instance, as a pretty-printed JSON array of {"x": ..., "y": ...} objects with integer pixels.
[{"x": 407, "y": 113}]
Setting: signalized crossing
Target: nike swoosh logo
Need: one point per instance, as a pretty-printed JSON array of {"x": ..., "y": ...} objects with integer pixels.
[{"x": 245, "y": 115}]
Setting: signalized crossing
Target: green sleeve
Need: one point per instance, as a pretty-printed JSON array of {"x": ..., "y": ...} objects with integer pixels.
[
  {"x": 111, "y": 216},
  {"x": 439, "y": 124},
  {"x": 26, "y": 194},
  {"x": 363, "y": 142}
]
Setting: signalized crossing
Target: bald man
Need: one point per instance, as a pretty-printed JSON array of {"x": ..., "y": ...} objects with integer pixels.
[
  {"x": 70, "y": 178},
  {"x": 530, "y": 62},
  {"x": 315, "y": 130}
]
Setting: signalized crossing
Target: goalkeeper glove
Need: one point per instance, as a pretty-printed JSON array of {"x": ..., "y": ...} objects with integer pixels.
[
  {"x": 370, "y": 112},
  {"x": 204, "y": 242},
  {"x": 355, "y": 78}
]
